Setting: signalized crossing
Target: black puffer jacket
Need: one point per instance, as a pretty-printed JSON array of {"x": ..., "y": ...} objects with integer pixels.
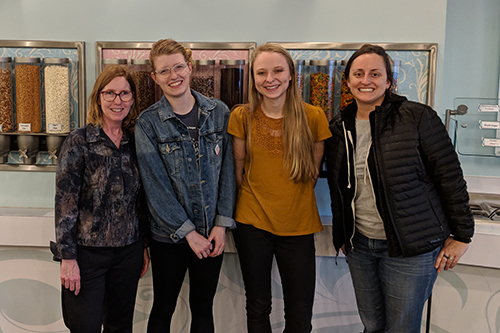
[{"x": 420, "y": 191}]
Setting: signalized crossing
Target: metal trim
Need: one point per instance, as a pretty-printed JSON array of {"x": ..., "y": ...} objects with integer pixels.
[
  {"x": 100, "y": 45},
  {"x": 25, "y": 167},
  {"x": 431, "y": 47}
]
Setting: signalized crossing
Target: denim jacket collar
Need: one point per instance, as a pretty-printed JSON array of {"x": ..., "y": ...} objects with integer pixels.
[{"x": 166, "y": 112}]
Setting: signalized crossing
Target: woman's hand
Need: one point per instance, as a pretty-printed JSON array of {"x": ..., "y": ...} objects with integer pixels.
[
  {"x": 450, "y": 254},
  {"x": 70, "y": 275},
  {"x": 218, "y": 236},
  {"x": 199, "y": 244},
  {"x": 145, "y": 263}
]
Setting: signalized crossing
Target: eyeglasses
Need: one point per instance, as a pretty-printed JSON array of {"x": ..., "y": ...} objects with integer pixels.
[
  {"x": 166, "y": 71},
  {"x": 110, "y": 96}
]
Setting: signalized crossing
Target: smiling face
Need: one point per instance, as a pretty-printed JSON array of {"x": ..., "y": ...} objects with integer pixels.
[
  {"x": 271, "y": 74},
  {"x": 176, "y": 84},
  {"x": 368, "y": 80},
  {"x": 114, "y": 112}
]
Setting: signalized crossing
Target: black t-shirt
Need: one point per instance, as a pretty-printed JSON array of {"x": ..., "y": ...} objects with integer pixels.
[{"x": 190, "y": 119}]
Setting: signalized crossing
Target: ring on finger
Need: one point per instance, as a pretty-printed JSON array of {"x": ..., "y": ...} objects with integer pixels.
[{"x": 447, "y": 257}]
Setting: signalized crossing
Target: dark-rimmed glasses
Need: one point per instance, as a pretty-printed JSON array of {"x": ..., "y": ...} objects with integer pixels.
[
  {"x": 166, "y": 71},
  {"x": 110, "y": 96}
]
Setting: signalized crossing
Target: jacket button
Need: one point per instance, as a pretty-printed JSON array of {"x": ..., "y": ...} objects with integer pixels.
[{"x": 195, "y": 211}]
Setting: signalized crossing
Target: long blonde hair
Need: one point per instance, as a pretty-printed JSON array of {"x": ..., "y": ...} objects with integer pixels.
[{"x": 298, "y": 141}]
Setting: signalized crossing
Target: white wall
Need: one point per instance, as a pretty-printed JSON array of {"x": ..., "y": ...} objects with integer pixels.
[
  {"x": 471, "y": 64},
  {"x": 207, "y": 21}
]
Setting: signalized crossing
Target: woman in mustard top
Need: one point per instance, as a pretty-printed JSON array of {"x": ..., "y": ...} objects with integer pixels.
[{"x": 278, "y": 143}]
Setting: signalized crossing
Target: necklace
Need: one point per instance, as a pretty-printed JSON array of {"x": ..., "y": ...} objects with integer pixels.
[{"x": 116, "y": 139}]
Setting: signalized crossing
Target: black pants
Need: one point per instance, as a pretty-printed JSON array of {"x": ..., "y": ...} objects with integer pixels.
[
  {"x": 109, "y": 278},
  {"x": 295, "y": 257},
  {"x": 170, "y": 263}
]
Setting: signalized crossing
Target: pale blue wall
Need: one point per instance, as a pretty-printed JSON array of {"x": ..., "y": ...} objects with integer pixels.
[
  {"x": 471, "y": 63},
  {"x": 258, "y": 21}
]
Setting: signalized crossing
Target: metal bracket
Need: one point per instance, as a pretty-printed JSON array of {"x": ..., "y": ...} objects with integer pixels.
[{"x": 460, "y": 111}]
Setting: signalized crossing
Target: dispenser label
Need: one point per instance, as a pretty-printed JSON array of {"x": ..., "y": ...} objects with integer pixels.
[
  {"x": 489, "y": 124},
  {"x": 490, "y": 142},
  {"x": 24, "y": 127},
  {"x": 54, "y": 127},
  {"x": 488, "y": 108}
]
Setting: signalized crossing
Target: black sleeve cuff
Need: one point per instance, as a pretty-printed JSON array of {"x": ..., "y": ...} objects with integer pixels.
[{"x": 462, "y": 239}]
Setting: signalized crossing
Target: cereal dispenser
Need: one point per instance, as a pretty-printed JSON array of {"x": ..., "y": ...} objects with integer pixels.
[
  {"x": 232, "y": 82},
  {"x": 145, "y": 85},
  {"x": 322, "y": 84},
  {"x": 27, "y": 76},
  {"x": 346, "y": 96},
  {"x": 28, "y": 147},
  {"x": 300, "y": 73},
  {"x": 202, "y": 78},
  {"x": 56, "y": 79},
  {"x": 6, "y": 114}
]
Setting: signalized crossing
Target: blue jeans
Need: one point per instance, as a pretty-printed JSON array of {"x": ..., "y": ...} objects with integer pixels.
[
  {"x": 390, "y": 291},
  {"x": 295, "y": 257}
]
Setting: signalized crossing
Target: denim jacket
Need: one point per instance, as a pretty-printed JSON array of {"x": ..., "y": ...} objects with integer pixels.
[
  {"x": 97, "y": 187},
  {"x": 182, "y": 197}
]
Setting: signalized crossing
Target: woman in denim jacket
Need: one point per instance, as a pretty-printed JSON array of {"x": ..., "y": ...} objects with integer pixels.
[
  {"x": 98, "y": 239},
  {"x": 186, "y": 164}
]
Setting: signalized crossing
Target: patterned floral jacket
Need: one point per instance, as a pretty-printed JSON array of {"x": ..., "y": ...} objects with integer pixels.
[{"x": 97, "y": 193}]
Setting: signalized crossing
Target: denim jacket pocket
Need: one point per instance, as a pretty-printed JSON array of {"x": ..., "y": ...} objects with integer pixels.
[
  {"x": 172, "y": 156},
  {"x": 215, "y": 148}
]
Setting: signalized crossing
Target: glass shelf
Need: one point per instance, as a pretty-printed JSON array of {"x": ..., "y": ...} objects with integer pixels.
[{"x": 477, "y": 127}]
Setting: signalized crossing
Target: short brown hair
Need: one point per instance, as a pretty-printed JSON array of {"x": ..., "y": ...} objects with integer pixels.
[
  {"x": 168, "y": 47},
  {"x": 94, "y": 114}
]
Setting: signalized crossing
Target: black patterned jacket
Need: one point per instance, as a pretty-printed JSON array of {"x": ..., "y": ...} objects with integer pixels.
[{"x": 97, "y": 188}]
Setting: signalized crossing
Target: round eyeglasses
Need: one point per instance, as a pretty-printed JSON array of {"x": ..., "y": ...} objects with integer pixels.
[
  {"x": 166, "y": 71},
  {"x": 110, "y": 96}
]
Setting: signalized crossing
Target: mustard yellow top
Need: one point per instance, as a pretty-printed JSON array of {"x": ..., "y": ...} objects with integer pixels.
[{"x": 267, "y": 198}]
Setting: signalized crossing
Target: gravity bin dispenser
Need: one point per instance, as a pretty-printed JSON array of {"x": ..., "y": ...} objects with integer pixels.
[{"x": 474, "y": 124}]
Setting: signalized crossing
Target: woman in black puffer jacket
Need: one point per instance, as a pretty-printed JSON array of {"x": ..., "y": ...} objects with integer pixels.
[{"x": 399, "y": 200}]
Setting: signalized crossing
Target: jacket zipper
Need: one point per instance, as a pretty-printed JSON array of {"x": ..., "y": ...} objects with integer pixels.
[
  {"x": 382, "y": 178},
  {"x": 353, "y": 205}
]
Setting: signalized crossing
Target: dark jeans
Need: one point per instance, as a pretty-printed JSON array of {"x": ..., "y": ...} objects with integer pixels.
[
  {"x": 295, "y": 257},
  {"x": 169, "y": 263},
  {"x": 109, "y": 278},
  {"x": 390, "y": 291}
]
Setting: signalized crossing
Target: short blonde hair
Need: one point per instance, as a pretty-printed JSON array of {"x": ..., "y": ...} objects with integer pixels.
[{"x": 168, "y": 47}]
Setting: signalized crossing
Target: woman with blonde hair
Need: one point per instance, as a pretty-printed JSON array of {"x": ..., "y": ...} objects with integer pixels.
[
  {"x": 98, "y": 212},
  {"x": 187, "y": 167},
  {"x": 278, "y": 143}
]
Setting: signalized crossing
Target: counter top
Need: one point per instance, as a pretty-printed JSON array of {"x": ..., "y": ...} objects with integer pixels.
[{"x": 35, "y": 227}]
